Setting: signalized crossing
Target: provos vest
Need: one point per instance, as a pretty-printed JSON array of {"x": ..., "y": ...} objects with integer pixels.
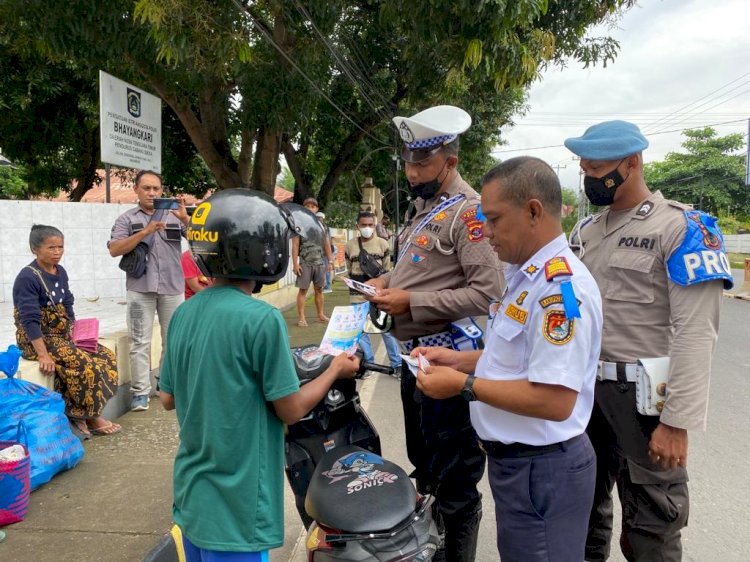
[{"x": 701, "y": 257}]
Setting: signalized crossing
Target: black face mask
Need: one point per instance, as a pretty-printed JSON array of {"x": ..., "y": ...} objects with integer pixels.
[
  {"x": 428, "y": 189},
  {"x": 601, "y": 191}
]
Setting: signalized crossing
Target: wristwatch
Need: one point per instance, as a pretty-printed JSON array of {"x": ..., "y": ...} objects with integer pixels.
[{"x": 467, "y": 392}]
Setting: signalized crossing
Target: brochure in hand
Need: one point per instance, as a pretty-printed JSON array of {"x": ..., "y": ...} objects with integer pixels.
[
  {"x": 344, "y": 329},
  {"x": 363, "y": 288}
]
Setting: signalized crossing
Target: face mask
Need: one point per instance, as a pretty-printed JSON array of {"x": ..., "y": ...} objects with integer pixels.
[
  {"x": 367, "y": 231},
  {"x": 428, "y": 189},
  {"x": 601, "y": 191}
]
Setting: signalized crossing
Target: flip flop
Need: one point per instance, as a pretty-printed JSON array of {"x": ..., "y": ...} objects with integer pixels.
[
  {"x": 109, "y": 429},
  {"x": 323, "y": 320},
  {"x": 302, "y": 323},
  {"x": 80, "y": 429}
]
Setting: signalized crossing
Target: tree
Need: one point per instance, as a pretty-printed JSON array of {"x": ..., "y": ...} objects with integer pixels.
[
  {"x": 234, "y": 78},
  {"x": 12, "y": 183},
  {"x": 710, "y": 175}
]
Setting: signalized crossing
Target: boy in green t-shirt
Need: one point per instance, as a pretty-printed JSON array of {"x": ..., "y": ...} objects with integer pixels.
[{"x": 229, "y": 374}]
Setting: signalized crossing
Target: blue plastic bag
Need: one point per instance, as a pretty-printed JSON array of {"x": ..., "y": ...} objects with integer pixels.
[{"x": 40, "y": 413}]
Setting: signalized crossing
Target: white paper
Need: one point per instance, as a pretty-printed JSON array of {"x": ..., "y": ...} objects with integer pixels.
[
  {"x": 363, "y": 288},
  {"x": 418, "y": 363}
]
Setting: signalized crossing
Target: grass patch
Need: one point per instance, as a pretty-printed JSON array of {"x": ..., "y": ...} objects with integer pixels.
[{"x": 737, "y": 261}]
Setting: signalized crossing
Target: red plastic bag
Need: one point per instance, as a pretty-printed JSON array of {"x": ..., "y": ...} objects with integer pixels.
[{"x": 15, "y": 487}]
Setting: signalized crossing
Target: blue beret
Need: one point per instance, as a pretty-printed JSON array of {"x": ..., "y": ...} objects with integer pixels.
[{"x": 611, "y": 140}]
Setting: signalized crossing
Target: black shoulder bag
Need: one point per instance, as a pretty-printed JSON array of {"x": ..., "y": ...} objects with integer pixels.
[{"x": 368, "y": 264}]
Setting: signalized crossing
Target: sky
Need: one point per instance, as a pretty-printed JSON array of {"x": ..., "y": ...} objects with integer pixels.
[{"x": 678, "y": 61}]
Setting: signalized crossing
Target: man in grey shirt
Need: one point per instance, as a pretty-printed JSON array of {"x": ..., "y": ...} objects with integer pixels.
[{"x": 161, "y": 289}]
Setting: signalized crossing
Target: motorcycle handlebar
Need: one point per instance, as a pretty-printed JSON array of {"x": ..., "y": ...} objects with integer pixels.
[{"x": 377, "y": 367}]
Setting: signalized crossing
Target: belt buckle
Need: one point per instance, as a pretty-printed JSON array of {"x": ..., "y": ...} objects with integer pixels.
[{"x": 600, "y": 371}]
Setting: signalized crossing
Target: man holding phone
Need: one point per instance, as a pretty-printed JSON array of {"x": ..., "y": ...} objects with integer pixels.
[{"x": 159, "y": 224}]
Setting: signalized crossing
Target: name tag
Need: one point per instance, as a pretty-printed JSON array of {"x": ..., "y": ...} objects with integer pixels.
[{"x": 518, "y": 314}]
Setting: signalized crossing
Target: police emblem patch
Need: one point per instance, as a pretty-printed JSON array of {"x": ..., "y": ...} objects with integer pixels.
[
  {"x": 518, "y": 314},
  {"x": 474, "y": 226},
  {"x": 405, "y": 132},
  {"x": 556, "y": 328},
  {"x": 711, "y": 240},
  {"x": 522, "y": 297},
  {"x": 440, "y": 216},
  {"x": 557, "y": 266},
  {"x": 421, "y": 240},
  {"x": 416, "y": 258}
]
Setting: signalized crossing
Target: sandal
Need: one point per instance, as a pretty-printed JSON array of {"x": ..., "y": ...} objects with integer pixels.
[
  {"x": 109, "y": 429},
  {"x": 80, "y": 428},
  {"x": 302, "y": 323}
]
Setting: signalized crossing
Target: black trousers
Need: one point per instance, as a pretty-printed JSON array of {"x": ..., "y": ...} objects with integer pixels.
[
  {"x": 443, "y": 447},
  {"x": 655, "y": 502}
]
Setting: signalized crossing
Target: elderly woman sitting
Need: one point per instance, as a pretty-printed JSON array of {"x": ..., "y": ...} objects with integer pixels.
[{"x": 43, "y": 313}]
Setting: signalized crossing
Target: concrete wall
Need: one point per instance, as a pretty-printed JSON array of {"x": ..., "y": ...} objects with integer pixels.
[
  {"x": 86, "y": 226},
  {"x": 739, "y": 243}
]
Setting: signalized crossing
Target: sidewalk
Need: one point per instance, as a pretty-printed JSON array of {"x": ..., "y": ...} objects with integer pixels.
[{"x": 116, "y": 504}]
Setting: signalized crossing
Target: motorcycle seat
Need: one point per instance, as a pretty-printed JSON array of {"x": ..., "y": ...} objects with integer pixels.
[{"x": 355, "y": 490}]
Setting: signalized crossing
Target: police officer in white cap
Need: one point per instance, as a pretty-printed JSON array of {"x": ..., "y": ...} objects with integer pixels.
[
  {"x": 445, "y": 271},
  {"x": 660, "y": 267}
]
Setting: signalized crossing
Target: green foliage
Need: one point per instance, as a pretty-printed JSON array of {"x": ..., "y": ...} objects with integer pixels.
[
  {"x": 231, "y": 89},
  {"x": 733, "y": 225},
  {"x": 710, "y": 175},
  {"x": 286, "y": 179},
  {"x": 12, "y": 183}
]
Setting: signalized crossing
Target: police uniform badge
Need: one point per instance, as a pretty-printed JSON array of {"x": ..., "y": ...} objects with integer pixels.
[
  {"x": 474, "y": 226},
  {"x": 531, "y": 270},
  {"x": 557, "y": 328},
  {"x": 555, "y": 267},
  {"x": 518, "y": 314}
]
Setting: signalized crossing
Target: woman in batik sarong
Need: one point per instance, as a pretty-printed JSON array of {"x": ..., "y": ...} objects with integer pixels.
[{"x": 44, "y": 318}]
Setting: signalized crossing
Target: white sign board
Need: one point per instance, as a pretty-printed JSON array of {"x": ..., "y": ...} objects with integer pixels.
[{"x": 130, "y": 123}]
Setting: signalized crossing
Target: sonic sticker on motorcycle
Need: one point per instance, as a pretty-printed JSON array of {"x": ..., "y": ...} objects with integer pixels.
[{"x": 361, "y": 466}]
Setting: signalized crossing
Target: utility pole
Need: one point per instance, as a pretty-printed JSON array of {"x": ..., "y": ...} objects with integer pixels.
[{"x": 557, "y": 169}]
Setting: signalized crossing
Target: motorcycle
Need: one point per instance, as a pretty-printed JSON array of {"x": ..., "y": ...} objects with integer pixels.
[{"x": 356, "y": 505}]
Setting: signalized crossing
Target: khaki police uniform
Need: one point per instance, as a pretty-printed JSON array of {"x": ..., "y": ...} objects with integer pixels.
[
  {"x": 646, "y": 314},
  {"x": 451, "y": 272},
  {"x": 448, "y": 267}
]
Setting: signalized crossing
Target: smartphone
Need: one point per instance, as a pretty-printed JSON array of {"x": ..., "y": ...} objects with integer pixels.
[{"x": 161, "y": 203}]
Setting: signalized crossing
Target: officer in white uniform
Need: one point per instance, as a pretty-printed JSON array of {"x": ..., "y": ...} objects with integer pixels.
[
  {"x": 660, "y": 266},
  {"x": 532, "y": 388}
]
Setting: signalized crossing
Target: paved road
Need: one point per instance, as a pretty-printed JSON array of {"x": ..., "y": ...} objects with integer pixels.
[{"x": 720, "y": 495}]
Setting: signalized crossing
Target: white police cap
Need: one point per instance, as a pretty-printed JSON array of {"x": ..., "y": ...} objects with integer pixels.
[{"x": 426, "y": 132}]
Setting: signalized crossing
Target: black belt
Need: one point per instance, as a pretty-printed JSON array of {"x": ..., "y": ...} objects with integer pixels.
[{"x": 519, "y": 450}]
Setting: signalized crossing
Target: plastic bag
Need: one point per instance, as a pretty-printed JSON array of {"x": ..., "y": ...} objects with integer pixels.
[
  {"x": 45, "y": 431},
  {"x": 14, "y": 484}
]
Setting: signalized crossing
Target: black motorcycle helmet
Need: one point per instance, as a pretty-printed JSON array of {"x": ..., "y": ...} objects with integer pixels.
[
  {"x": 241, "y": 234},
  {"x": 306, "y": 224}
]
